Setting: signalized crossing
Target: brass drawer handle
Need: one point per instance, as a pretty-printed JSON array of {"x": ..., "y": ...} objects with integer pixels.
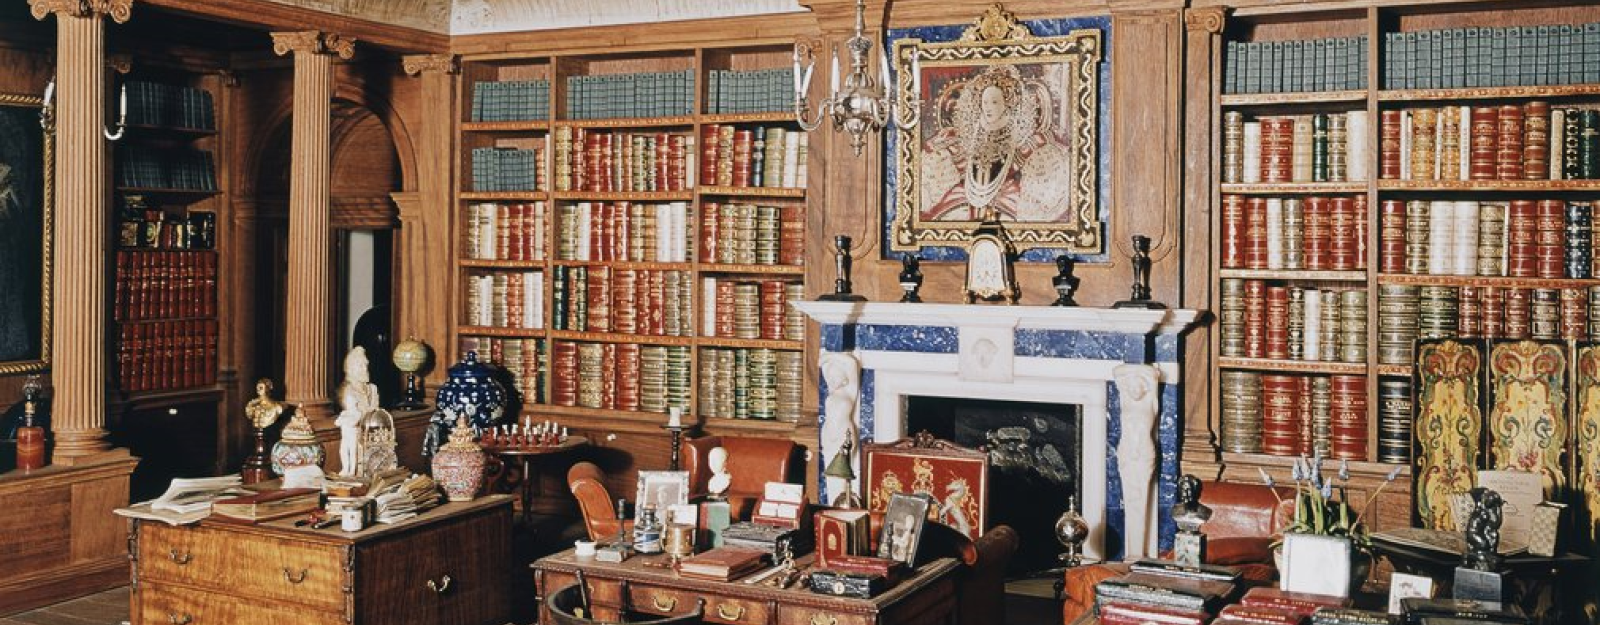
[
  {"x": 441, "y": 586},
  {"x": 823, "y": 619},
  {"x": 177, "y": 619},
  {"x": 290, "y": 577},
  {"x": 663, "y": 603},
  {"x": 181, "y": 557},
  {"x": 734, "y": 615}
]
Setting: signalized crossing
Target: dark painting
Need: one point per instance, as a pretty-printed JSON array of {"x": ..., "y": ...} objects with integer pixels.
[{"x": 24, "y": 237}]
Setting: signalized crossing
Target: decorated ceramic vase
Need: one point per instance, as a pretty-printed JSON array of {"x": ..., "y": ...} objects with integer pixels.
[
  {"x": 298, "y": 447},
  {"x": 458, "y": 465},
  {"x": 469, "y": 391}
]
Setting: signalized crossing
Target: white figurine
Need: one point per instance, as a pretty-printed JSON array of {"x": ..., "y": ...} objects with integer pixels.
[
  {"x": 357, "y": 396},
  {"x": 717, "y": 460}
]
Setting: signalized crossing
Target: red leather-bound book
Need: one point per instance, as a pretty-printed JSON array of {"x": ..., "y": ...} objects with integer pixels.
[
  {"x": 564, "y": 374},
  {"x": 1389, "y": 129},
  {"x": 1277, "y": 322},
  {"x": 1469, "y": 308},
  {"x": 1360, "y": 233},
  {"x": 1128, "y": 613},
  {"x": 608, "y": 376},
  {"x": 708, "y": 154},
  {"x": 1302, "y": 394},
  {"x": 1318, "y": 239},
  {"x": 1392, "y": 237},
  {"x": 1246, "y": 615},
  {"x": 1255, "y": 319},
  {"x": 1482, "y": 157},
  {"x": 1519, "y": 315},
  {"x": 1233, "y": 231},
  {"x": 509, "y": 233},
  {"x": 1277, "y": 149},
  {"x": 1508, "y": 143},
  {"x": 1550, "y": 252},
  {"x": 211, "y": 352},
  {"x": 772, "y": 307},
  {"x": 1536, "y": 140},
  {"x": 119, "y": 308},
  {"x": 1574, "y": 314},
  {"x": 791, "y": 235},
  {"x": 1271, "y": 598},
  {"x": 1280, "y": 415},
  {"x": 1341, "y": 234},
  {"x": 1349, "y": 423},
  {"x": 742, "y": 140},
  {"x": 1521, "y": 239},
  {"x": 1492, "y": 305},
  {"x": 1255, "y": 236}
]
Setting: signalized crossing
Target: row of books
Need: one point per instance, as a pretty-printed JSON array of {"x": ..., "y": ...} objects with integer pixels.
[
  {"x": 1529, "y": 141},
  {"x": 506, "y": 231},
  {"x": 1515, "y": 56},
  {"x": 1315, "y": 233},
  {"x": 509, "y": 169},
  {"x": 139, "y": 226},
  {"x": 622, "y": 161},
  {"x": 155, "y": 285},
  {"x": 524, "y": 360},
  {"x": 622, "y": 301},
  {"x": 169, "y": 106},
  {"x": 1323, "y": 147},
  {"x": 1519, "y": 238},
  {"x": 143, "y": 167},
  {"x": 510, "y": 100},
  {"x": 771, "y": 156},
  {"x": 1295, "y": 415},
  {"x": 1408, "y": 312},
  {"x": 751, "y": 383},
  {"x": 166, "y": 355},
  {"x": 505, "y": 300},
  {"x": 1331, "y": 64},
  {"x": 620, "y": 376},
  {"x": 751, "y": 310},
  {"x": 624, "y": 231},
  {"x": 645, "y": 94},
  {"x": 1288, "y": 322},
  {"x": 748, "y": 234},
  {"x": 750, "y": 91}
]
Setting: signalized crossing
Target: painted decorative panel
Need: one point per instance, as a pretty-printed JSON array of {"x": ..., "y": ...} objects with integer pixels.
[
  {"x": 1527, "y": 421},
  {"x": 1586, "y": 426},
  {"x": 1448, "y": 426}
]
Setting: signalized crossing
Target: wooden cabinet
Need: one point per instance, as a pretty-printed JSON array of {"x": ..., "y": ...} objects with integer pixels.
[{"x": 449, "y": 566}]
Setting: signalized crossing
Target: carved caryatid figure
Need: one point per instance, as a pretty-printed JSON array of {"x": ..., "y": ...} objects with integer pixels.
[
  {"x": 1139, "y": 389},
  {"x": 842, "y": 374}
]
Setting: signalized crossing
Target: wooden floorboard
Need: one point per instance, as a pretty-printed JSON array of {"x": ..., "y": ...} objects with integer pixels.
[{"x": 105, "y": 608}]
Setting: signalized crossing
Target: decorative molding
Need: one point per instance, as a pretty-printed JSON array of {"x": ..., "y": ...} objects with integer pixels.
[
  {"x": 118, "y": 10},
  {"x": 1208, "y": 19},
  {"x": 313, "y": 42},
  {"x": 996, "y": 24},
  {"x": 1119, "y": 320},
  {"x": 416, "y": 64}
]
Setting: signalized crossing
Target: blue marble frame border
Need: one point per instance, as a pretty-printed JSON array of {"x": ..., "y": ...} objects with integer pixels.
[{"x": 1041, "y": 28}]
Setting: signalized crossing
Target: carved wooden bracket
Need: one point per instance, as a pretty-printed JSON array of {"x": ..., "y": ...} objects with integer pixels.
[
  {"x": 415, "y": 64},
  {"x": 1208, "y": 19}
]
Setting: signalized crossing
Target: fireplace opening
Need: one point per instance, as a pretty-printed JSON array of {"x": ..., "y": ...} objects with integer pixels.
[{"x": 1035, "y": 462}]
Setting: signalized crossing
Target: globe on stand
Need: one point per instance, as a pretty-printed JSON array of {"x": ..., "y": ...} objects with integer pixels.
[{"x": 410, "y": 356}]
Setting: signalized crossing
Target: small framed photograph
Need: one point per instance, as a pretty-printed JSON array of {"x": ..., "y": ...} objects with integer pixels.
[
  {"x": 902, "y": 527},
  {"x": 662, "y": 490},
  {"x": 1316, "y": 564},
  {"x": 1406, "y": 586}
]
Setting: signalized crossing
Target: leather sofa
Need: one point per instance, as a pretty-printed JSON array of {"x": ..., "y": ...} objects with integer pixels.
[{"x": 752, "y": 462}]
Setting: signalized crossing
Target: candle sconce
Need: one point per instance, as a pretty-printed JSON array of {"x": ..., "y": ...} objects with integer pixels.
[
  {"x": 47, "y": 112},
  {"x": 122, "y": 116}
]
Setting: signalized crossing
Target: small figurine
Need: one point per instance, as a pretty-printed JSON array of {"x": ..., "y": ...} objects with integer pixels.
[
  {"x": 357, "y": 396},
  {"x": 720, "y": 480},
  {"x": 841, "y": 283},
  {"x": 263, "y": 411},
  {"x": 911, "y": 278},
  {"x": 1189, "y": 544},
  {"x": 1140, "y": 297},
  {"x": 1483, "y": 531},
  {"x": 1064, "y": 282}
]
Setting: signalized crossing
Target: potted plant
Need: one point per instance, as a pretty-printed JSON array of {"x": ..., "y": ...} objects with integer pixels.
[{"x": 1325, "y": 549}]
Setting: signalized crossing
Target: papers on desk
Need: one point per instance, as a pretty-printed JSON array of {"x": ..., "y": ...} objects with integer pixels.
[
  {"x": 187, "y": 500},
  {"x": 403, "y": 500}
]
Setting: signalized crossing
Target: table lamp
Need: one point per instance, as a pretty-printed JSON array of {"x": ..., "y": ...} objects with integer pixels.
[{"x": 840, "y": 468}]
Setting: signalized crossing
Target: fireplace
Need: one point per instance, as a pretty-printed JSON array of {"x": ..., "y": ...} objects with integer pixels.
[
  {"x": 1116, "y": 369},
  {"x": 1034, "y": 452}
]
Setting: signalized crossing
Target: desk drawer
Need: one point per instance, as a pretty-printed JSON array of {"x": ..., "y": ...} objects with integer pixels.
[
  {"x": 160, "y": 604},
  {"x": 795, "y": 615},
  {"x": 718, "y": 609},
  {"x": 243, "y": 564}
]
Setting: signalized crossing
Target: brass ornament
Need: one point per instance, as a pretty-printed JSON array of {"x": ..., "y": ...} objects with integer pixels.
[{"x": 996, "y": 24}]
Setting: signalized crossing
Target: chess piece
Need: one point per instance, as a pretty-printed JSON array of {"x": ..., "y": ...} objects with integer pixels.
[
  {"x": 841, "y": 263},
  {"x": 911, "y": 278},
  {"x": 1189, "y": 544},
  {"x": 1064, "y": 282},
  {"x": 1140, "y": 297},
  {"x": 717, "y": 486},
  {"x": 263, "y": 411},
  {"x": 1479, "y": 577}
]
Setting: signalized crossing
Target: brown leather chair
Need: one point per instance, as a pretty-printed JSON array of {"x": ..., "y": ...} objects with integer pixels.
[
  {"x": 752, "y": 462},
  {"x": 588, "y": 484},
  {"x": 1244, "y": 520}
]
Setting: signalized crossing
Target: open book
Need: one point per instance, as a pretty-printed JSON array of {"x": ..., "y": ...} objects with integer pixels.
[{"x": 186, "y": 500}]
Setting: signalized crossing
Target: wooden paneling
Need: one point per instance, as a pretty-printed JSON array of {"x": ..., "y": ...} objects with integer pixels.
[{"x": 58, "y": 538}]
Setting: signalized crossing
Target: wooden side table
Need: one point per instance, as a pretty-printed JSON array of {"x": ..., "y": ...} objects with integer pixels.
[
  {"x": 527, "y": 460},
  {"x": 1538, "y": 584}
]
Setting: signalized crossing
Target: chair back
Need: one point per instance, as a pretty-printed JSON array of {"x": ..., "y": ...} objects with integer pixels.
[{"x": 752, "y": 462}]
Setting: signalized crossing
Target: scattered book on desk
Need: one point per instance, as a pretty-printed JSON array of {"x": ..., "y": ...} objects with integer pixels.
[
  {"x": 1303, "y": 604},
  {"x": 1348, "y": 616},
  {"x": 1245, "y": 615},
  {"x": 1426, "y": 611},
  {"x": 722, "y": 563},
  {"x": 269, "y": 505},
  {"x": 1166, "y": 591},
  {"x": 1120, "y": 613},
  {"x": 1204, "y": 571}
]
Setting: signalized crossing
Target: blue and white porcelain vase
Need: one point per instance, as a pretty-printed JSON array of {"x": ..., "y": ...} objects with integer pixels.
[{"x": 469, "y": 391}]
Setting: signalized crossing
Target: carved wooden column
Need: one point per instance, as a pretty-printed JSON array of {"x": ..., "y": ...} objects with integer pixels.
[
  {"x": 83, "y": 190},
  {"x": 309, "y": 313},
  {"x": 427, "y": 277},
  {"x": 1202, "y": 144}
]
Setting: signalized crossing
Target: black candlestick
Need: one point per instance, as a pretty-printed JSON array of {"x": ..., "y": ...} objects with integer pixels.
[
  {"x": 1140, "y": 297},
  {"x": 1064, "y": 282},
  {"x": 911, "y": 278},
  {"x": 841, "y": 283},
  {"x": 411, "y": 397}
]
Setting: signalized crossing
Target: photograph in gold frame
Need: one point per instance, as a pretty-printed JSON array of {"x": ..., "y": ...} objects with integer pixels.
[
  {"x": 27, "y": 185},
  {"x": 998, "y": 120}
]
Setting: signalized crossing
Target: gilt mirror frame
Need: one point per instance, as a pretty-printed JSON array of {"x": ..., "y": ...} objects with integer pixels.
[
  {"x": 27, "y": 201},
  {"x": 1052, "y": 187}
]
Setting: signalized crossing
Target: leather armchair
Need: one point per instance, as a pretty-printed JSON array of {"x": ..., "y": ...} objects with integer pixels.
[
  {"x": 588, "y": 485},
  {"x": 752, "y": 462},
  {"x": 1244, "y": 520}
]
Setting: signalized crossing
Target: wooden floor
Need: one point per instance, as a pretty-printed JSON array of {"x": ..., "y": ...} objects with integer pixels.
[{"x": 107, "y": 608}]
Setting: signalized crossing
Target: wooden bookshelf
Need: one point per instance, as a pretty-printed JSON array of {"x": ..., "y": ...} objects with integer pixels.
[
  {"x": 1520, "y": 186},
  {"x": 1487, "y": 93},
  {"x": 511, "y": 196},
  {"x": 516, "y": 126},
  {"x": 612, "y": 337},
  {"x": 776, "y": 117},
  {"x": 1294, "y": 188},
  {"x": 473, "y": 263},
  {"x": 1295, "y": 275},
  {"x": 625, "y": 196},
  {"x": 736, "y": 343},
  {"x": 1495, "y": 281},
  {"x": 1296, "y": 366},
  {"x": 768, "y": 270},
  {"x": 629, "y": 123},
  {"x": 500, "y": 332},
  {"x": 772, "y": 192},
  {"x": 1305, "y": 97}
]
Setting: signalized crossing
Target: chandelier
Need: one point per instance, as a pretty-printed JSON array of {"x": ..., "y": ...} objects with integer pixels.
[{"x": 863, "y": 106}]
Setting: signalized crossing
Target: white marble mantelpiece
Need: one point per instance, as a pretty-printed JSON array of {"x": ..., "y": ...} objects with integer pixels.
[{"x": 1114, "y": 320}]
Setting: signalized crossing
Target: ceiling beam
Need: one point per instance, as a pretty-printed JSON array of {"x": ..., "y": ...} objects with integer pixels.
[{"x": 270, "y": 16}]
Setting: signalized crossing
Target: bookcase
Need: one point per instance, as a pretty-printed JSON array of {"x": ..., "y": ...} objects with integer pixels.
[
  {"x": 630, "y": 233},
  {"x": 1383, "y": 175}
]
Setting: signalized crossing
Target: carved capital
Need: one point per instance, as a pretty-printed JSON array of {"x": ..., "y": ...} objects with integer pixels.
[
  {"x": 1208, "y": 19},
  {"x": 415, "y": 64},
  {"x": 313, "y": 42},
  {"x": 118, "y": 10}
]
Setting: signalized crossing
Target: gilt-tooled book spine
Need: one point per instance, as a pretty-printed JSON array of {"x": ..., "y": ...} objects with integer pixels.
[
  {"x": 1342, "y": 234},
  {"x": 1338, "y": 147},
  {"x": 1491, "y": 239},
  {"x": 1390, "y": 129},
  {"x": 1301, "y": 149},
  {"x": 1392, "y": 237},
  {"x": 1318, "y": 147},
  {"x": 1549, "y": 251},
  {"x": 1424, "y": 134},
  {"x": 1280, "y": 415},
  {"x": 1277, "y": 149},
  {"x": 1318, "y": 237}
]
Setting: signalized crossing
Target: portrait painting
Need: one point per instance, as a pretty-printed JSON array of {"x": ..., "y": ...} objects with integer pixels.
[
  {"x": 1004, "y": 127},
  {"x": 25, "y": 237},
  {"x": 661, "y": 490}
]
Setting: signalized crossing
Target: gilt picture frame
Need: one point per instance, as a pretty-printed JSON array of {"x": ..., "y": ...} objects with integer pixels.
[
  {"x": 27, "y": 187},
  {"x": 998, "y": 122}
]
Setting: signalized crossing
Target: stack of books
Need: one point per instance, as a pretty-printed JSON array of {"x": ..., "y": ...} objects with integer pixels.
[
  {"x": 1321, "y": 147},
  {"x": 1313, "y": 233},
  {"x": 269, "y": 505},
  {"x": 406, "y": 500},
  {"x": 1453, "y": 58},
  {"x": 1528, "y": 141},
  {"x": 619, "y": 376},
  {"x": 1547, "y": 238},
  {"x": 524, "y": 359},
  {"x": 170, "y": 106},
  {"x": 163, "y": 355},
  {"x": 618, "y": 162},
  {"x": 772, "y": 157},
  {"x": 1295, "y": 415},
  {"x": 1266, "y": 320},
  {"x": 1349, "y": 616},
  {"x": 750, "y": 384},
  {"x": 1331, "y": 64},
  {"x": 640, "y": 302},
  {"x": 1162, "y": 595},
  {"x": 510, "y": 100},
  {"x": 747, "y": 310},
  {"x": 509, "y": 169},
  {"x": 647, "y": 94},
  {"x": 1423, "y": 611},
  {"x": 185, "y": 169},
  {"x": 746, "y": 234},
  {"x": 505, "y": 300},
  {"x": 1270, "y": 606},
  {"x": 506, "y": 231},
  {"x": 750, "y": 91},
  {"x": 623, "y": 231}
]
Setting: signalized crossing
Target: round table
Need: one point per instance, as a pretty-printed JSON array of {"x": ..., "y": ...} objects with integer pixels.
[{"x": 527, "y": 458}]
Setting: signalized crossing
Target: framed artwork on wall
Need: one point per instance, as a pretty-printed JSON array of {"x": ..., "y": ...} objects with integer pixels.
[
  {"x": 998, "y": 123},
  {"x": 27, "y": 185}
]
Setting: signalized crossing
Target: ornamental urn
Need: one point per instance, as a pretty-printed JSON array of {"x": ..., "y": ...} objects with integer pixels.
[
  {"x": 471, "y": 392},
  {"x": 298, "y": 446},
  {"x": 458, "y": 465}
]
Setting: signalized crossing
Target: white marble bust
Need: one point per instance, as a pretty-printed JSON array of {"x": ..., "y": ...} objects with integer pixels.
[
  {"x": 357, "y": 396},
  {"x": 717, "y": 460}
]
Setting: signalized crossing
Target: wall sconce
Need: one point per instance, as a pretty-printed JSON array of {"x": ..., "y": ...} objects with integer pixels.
[{"x": 47, "y": 113}]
